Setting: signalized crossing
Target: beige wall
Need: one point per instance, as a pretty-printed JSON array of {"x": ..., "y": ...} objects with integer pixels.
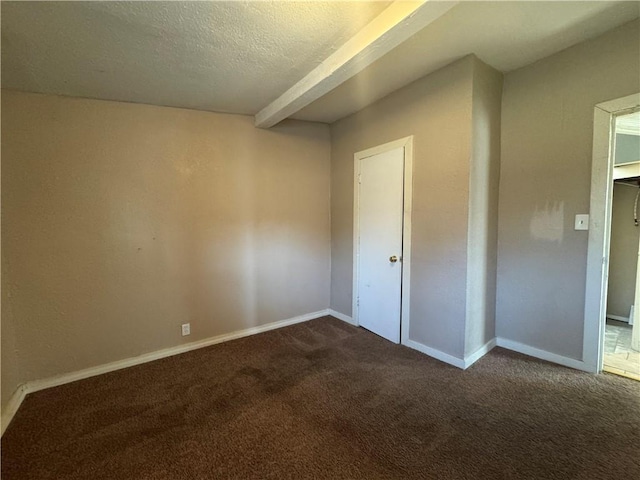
[
  {"x": 120, "y": 222},
  {"x": 624, "y": 252},
  {"x": 547, "y": 130}
]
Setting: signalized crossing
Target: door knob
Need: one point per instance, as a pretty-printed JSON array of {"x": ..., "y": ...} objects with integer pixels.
[{"x": 393, "y": 259}]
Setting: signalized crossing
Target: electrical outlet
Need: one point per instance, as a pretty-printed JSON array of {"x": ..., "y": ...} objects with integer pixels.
[{"x": 186, "y": 329}]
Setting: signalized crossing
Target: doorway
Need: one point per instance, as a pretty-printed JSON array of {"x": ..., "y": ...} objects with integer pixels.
[
  {"x": 621, "y": 353},
  {"x": 612, "y": 118},
  {"x": 382, "y": 239}
]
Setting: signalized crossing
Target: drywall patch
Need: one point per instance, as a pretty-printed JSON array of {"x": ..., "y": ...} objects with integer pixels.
[{"x": 548, "y": 223}]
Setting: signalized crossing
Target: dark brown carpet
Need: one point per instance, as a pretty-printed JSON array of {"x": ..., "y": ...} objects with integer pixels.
[{"x": 324, "y": 400}]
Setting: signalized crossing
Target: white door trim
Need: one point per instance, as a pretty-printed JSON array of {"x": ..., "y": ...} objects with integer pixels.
[
  {"x": 600, "y": 226},
  {"x": 407, "y": 144}
]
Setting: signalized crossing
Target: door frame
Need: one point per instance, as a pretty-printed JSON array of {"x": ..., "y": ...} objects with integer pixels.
[
  {"x": 600, "y": 210},
  {"x": 407, "y": 144}
]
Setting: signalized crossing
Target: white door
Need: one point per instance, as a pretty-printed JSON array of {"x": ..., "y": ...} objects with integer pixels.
[{"x": 379, "y": 269}]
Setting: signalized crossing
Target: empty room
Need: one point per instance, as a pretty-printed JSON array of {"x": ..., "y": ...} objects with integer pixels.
[{"x": 320, "y": 240}]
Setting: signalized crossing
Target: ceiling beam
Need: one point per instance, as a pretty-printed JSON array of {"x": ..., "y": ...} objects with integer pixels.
[{"x": 393, "y": 26}]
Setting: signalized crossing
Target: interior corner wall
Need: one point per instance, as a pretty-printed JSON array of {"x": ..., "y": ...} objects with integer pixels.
[
  {"x": 484, "y": 177},
  {"x": 11, "y": 374},
  {"x": 437, "y": 111},
  {"x": 623, "y": 258},
  {"x": 547, "y": 138},
  {"x": 120, "y": 222}
]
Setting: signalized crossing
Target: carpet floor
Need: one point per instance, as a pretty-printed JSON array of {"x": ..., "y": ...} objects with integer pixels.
[{"x": 325, "y": 400}]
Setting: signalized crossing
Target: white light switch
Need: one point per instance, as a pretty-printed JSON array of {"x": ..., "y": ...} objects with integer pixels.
[{"x": 582, "y": 221}]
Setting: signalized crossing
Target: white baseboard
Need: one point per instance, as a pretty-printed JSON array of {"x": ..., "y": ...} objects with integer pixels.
[
  {"x": 437, "y": 354},
  {"x": 12, "y": 407},
  {"x": 479, "y": 353},
  {"x": 342, "y": 316},
  {"x": 36, "y": 385},
  {"x": 543, "y": 354},
  {"x": 450, "y": 359}
]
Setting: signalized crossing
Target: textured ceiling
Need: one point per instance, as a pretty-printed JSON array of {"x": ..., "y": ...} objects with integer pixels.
[
  {"x": 220, "y": 56},
  {"x": 506, "y": 35},
  {"x": 239, "y": 56}
]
